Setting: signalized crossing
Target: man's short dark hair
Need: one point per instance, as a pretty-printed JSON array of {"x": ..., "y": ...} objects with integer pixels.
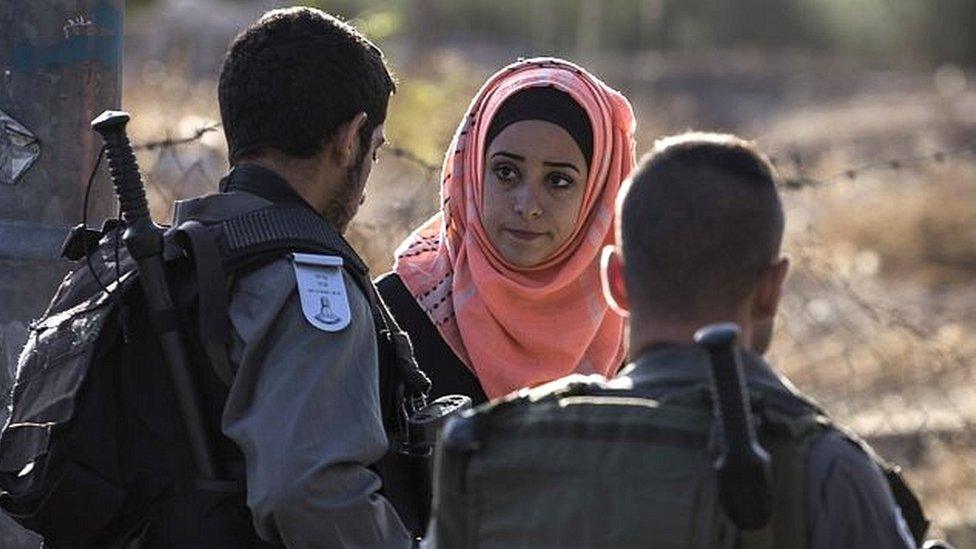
[
  {"x": 699, "y": 219},
  {"x": 293, "y": 77}
]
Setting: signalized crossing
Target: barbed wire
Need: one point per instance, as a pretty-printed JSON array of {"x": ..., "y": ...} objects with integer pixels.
[
  {"x": 430, "y": 168},
  {"x": 174, "y": 142},
  {"x": 798, "y": 179}
]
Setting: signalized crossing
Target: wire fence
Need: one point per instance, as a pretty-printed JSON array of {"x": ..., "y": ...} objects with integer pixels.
[
  {"x": 888, "y": 352},
  {"x": 794, "y": 165}
]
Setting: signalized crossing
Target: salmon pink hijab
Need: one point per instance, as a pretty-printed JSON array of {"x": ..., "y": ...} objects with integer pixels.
[{"x": 512, "y": 326}]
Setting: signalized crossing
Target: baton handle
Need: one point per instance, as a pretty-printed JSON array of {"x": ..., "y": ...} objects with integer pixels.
[
  {"x": 743, "y": 467},
  {"x": 144, "y": 241},
  {"x": 122, "y": 166},
  {"x": 728, "y": 388}
]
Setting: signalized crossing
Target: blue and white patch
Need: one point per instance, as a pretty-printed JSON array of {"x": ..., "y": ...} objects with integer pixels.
[{"x": 322, "y": 289}]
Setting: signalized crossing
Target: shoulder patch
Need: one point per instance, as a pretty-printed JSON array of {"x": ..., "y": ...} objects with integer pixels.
[{"x": 325, "y": 302}]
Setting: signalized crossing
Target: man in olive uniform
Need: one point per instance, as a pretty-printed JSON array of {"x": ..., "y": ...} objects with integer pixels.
[
  {"x": 699, "y": 238},
  {"x": 303, "y": 98}
]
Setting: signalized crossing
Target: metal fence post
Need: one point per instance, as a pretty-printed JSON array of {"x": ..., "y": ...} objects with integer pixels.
[{"x": 60, "y": 65}]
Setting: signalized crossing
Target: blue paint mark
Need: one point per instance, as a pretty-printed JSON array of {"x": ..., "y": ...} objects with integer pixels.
[{"x": 104, "y": 47}]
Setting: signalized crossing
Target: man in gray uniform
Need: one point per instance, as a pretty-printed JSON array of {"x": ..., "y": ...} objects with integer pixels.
[
  {"x": 699, "y": 238},
  {"x": 303, "y": 97}
]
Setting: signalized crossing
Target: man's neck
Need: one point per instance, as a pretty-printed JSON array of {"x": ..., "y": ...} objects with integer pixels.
[
  {"x": 300, "y": 174},
  {"x": 646, "y": 333}
]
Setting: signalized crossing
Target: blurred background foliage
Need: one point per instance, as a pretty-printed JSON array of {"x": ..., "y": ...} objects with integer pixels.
[{"x": 917, "y": 31}]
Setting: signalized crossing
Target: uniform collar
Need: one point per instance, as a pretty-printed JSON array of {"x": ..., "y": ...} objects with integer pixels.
[
  {"x": 260, "y": 181},
  {"x": 247, "y": 188},
  {"x": 666, "y": 369}
]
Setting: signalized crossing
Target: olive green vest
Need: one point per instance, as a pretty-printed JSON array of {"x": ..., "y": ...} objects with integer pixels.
[{"x": 578, "y": 463}]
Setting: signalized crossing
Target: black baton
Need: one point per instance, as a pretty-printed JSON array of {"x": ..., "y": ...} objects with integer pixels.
[
  {"x": 144, "y": 240},
  {"x": 743, "y": 466}
]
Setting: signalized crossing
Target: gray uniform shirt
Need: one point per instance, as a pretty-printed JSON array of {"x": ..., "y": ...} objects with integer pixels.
[
  {"x": 304, "y": 408},
  {"x": 849, "y": 502}
]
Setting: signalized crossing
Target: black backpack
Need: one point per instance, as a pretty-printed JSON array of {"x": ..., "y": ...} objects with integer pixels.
[{"x": 94, "y": 452}]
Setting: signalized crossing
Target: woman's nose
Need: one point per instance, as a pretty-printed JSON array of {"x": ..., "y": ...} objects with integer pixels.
[{"x": 527, "y": 204}]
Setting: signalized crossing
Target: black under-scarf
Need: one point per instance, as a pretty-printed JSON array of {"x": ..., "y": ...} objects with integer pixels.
[{"x": 550, "y": 105}]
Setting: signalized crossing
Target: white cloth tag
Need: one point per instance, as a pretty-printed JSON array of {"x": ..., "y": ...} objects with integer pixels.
[{"x": 322, "y": 289}]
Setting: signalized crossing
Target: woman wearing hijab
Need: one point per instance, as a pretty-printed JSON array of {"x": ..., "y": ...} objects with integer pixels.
[{"x": 500, "y": 289}]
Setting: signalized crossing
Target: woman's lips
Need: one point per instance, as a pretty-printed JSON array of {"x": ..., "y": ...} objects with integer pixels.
[{"x": 524, "y": 235}]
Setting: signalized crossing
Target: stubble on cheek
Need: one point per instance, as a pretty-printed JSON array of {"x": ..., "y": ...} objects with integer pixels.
[{"x": 344, "y": 205}]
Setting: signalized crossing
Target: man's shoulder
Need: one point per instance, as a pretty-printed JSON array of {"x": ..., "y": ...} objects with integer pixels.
[
  {"x": 272, "y": 281},
  {"x": 849, "y": 497},
  {"x": 840, "y": 473},
  {"x": 216, "y": 207},
  {"x": 275, "y": 281},
  {"x": 835, "y": 452},
  {"x": 275, "y": 299}
]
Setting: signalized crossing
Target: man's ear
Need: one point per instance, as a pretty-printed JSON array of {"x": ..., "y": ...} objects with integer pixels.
[
  {"x": 770, "y": 289},
  {"x": 345, "y": 143},
  {"x": 612, "y": 276}
]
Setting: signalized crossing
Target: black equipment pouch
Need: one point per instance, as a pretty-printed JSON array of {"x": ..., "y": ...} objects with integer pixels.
[{"x": 92, "y": 451}]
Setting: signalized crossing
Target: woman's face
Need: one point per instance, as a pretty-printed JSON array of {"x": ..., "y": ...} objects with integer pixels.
[{"x": 534, "y": 181}]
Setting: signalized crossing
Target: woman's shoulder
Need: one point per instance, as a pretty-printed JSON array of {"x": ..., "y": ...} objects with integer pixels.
[
  {"x": 401, "y": 302},
  {"x": 390, "y": 286},
  {"x": 408, "y": 314},
  {"x": 434, "y": 356}
]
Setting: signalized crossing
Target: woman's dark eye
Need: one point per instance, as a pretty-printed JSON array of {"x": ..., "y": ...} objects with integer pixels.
[
  {"x": 560, "y": 181},
  {"x": 505, "y": 173}
]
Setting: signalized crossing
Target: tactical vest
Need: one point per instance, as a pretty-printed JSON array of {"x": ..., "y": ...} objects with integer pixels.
[
  {"x": 94, "y": 453},
  {"x": 579, "y": 464}
]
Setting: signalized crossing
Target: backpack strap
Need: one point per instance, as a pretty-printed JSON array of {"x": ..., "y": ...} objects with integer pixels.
[
  {"x": 908, "y": 502},
  {"x": 415, "y": 381},
  {"x": 278, "y": 229},
  {"x": 222, "y": 249},
  {"x": 788, "y": 439},
  {"x": 211, "y": 281}
]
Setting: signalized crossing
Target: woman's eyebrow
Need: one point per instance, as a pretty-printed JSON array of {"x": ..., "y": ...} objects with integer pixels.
[
  {"x": 507, "y": 154},
  {"x": 561, "y": 165}
]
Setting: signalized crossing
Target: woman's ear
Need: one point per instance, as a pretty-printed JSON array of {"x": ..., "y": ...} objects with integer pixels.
[
  {"x": 612, "y": 276},
  {"x": 345, "y": 143}
]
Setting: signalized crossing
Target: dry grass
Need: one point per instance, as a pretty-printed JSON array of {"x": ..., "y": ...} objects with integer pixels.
[{"x": 929, "y": 225}]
